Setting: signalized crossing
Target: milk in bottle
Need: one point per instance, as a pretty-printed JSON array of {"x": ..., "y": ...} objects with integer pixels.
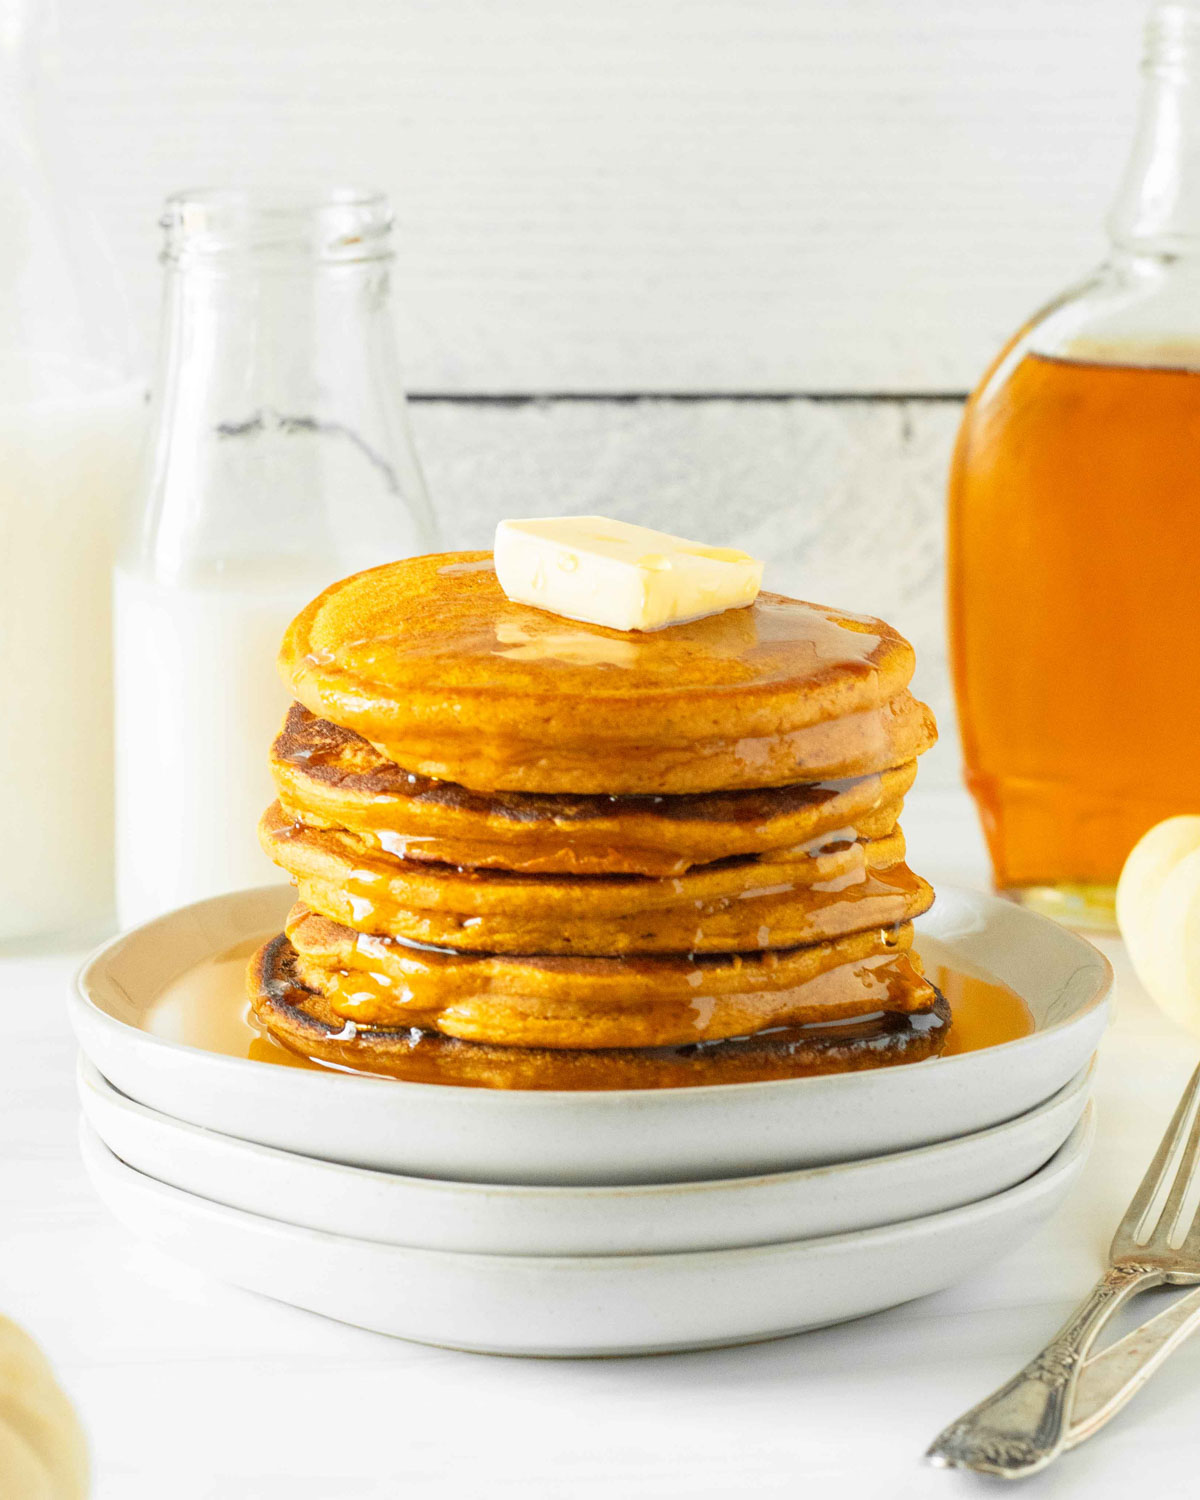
[
  {"x": 70, "y": 423},
  {"x": 280, "y": 462}
]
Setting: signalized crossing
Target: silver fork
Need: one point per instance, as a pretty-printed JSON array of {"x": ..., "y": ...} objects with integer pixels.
[{"x": 1021, "y": 1427}]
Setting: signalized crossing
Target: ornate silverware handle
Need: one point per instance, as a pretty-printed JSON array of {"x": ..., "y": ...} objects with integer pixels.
[
  {"x": 1111, "y": 1378},
  {"x": 1022, "y": 1426}
]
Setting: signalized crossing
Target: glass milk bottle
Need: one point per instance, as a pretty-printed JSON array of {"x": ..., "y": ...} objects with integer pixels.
[
  {"x": 280, "y": 461},
  {"x": 1074, "y": 518},
  {"x": 71, "y": 413}
]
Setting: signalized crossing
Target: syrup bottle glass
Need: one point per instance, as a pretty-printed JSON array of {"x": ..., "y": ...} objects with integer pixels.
[
  {"x": 72, "y": 408},
  {"x": 280, "y": 460},
  {"x": 1074, "y": 522}
]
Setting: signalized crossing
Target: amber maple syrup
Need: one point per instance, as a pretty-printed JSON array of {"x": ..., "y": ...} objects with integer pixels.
[
  {"x": 207, "y": 1007},
  {"x": 984, "y": 1012},
  {"x": 1074, "y": 617}
]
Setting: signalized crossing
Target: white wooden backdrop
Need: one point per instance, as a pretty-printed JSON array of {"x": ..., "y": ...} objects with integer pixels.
[{"x": 768, "y": 207}]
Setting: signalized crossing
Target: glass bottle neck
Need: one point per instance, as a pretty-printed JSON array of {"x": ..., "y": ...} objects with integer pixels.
[
  {"x": 1157, "y": 208},
  {"x": 63, "y": 324},
  {"x": 279, "y": 444},
  {"x": 272, "y": 305},
  {"x": 256, "y": 361},
  {"x": 242, "y": 337}
]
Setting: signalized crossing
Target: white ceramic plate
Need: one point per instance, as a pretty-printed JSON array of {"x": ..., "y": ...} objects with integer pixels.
[
  {"x": 620, "y": 1136},
  {"x": 644, "y": 1220},
  {"x": 584, "y": 1305}
]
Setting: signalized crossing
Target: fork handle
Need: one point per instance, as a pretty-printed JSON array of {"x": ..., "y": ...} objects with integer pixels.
[
  {"x": 1019, "y": 1428},
  {"x": 1109, "y": 1379}
]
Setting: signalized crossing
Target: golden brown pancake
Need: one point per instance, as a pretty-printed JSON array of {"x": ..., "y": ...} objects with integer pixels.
[
  {"x": 302, "y": 1020},
  {"x": 535, "y": 853},
  {"x": 330, "y": 777},
  {"x": 429, "y": 661},
  {"x": 597, "y": 1002},
  {"x": 777, "y": 900}
]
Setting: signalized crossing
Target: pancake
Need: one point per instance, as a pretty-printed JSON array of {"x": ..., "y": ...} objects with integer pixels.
[
  {"x": 857, "y": 745},
  {"x": 779, "y": 900},
  {"x": 302, "y": 1020},
  {"x": 598, "y": 1002},
  {"x": 330, "y": 777},
  {"x": 537, "y": 853},
  {"x": 430, "y": 662}
]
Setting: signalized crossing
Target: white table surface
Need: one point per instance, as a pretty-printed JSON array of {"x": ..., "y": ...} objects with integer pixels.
[{"x": 193, "y": 1389}]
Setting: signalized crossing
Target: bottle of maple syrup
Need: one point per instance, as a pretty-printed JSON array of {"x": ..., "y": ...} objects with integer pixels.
[{"x": 1074, "y": 535}]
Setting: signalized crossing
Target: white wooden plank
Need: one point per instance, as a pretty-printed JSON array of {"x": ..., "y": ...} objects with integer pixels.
[
  {"x": 843, "y": 499},
  {"x": 693, "y": 195}
]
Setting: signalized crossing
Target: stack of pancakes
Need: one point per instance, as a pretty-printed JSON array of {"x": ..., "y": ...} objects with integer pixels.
[{"x": 532, "y": 853}]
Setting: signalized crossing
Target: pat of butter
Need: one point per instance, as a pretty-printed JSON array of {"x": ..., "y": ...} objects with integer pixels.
[{"x": 623, "y": 576}]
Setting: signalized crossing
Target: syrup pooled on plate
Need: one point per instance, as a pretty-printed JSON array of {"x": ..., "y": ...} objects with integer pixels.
[
  {"x": 207, "y": 1007},
  {"x": 984, "y": 1012}
]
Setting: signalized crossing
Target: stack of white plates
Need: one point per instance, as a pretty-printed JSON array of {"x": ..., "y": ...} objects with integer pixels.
[{"x": 588, "y": 1223}]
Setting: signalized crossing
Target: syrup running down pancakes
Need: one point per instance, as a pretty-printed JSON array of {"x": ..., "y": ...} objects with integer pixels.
[{"x": 540, "y": 854}]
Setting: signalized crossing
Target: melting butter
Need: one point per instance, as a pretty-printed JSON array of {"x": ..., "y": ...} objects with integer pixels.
[{"x": 618, "y": 575}]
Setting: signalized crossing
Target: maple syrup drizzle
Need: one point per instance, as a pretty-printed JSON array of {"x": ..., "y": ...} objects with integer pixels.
[{"x": 207, "y": 1007}]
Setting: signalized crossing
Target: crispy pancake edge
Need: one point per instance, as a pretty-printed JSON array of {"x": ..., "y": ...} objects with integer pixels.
[
  {"x": 330, "y": 777},
  {"x": 299, "y": 1020}
]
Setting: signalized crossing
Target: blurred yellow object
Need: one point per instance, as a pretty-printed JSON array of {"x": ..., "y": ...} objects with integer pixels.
[
  {"x": 1158, "y": 912},
  {"x": 43, "y": 1452}
]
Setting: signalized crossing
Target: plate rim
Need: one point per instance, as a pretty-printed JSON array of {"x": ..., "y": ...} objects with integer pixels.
[
  {"x": 1069, "y": 1157},
  {"x": 89, "y": 1077}
]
